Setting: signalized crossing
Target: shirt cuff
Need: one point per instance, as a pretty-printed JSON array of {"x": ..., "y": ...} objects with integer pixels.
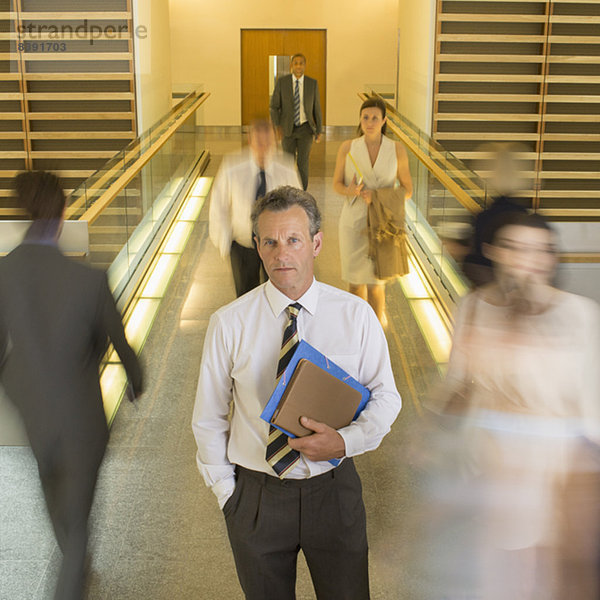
[
  {"x": 353, "y": 440},
  {"x": 225, "y": 246},
  {"x": 223, "y": 490}
]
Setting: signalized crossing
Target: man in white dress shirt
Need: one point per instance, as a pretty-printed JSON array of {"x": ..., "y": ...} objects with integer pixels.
[
  {"x": 242, "y": 178},
  {"x": 314, "y": 507}
]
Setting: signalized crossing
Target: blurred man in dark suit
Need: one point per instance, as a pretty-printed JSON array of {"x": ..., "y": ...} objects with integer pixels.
[
  {"x": 56, "y": 316},
  {"x": 296, "y": 113}
]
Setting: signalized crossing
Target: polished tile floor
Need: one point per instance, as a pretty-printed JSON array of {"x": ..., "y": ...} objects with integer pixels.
[{"x": 156, "y": 530}]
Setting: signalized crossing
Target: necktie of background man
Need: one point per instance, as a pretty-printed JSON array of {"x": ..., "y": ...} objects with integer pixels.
[
  {"x": 297, "y": 103},
  {"x": 261, "y": 189}
]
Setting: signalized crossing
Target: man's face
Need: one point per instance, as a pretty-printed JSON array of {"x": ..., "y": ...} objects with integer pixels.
[
  {"x": 262, "y": 144},
  {"x": 297, "y": 67},
  {"x": 287, "y": 250}
]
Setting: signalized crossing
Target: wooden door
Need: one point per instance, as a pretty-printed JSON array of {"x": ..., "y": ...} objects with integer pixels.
[{"x": 258, "y": 44}]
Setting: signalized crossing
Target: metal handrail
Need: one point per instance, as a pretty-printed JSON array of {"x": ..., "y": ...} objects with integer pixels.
[
  {"x": 178, "y": 114},
  {"x": 453, "y": 187},
  {"x": 104, "y": 200},
  {"x": 428, "y": 160}
]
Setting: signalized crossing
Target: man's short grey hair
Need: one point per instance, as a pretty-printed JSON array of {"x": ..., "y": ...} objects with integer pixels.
[{"x": 283, "y": 198}]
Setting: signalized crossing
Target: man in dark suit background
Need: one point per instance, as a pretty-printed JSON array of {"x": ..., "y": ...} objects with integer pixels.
[
  {"x": 56, "y": 316},
  {"x": 296, "y": 113}
]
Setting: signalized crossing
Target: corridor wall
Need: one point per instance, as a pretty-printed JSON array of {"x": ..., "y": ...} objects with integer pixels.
[{"x": 205, "y": 48}]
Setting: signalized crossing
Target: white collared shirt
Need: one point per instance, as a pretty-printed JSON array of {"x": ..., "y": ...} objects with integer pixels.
[
  {"x": 234, "y": 193},
  {"x": 303, "y": 118},
  {"x": 238, "y": 371}
]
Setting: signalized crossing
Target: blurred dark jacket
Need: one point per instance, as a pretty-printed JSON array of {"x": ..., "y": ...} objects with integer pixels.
[{"x": 56, "y": 316}]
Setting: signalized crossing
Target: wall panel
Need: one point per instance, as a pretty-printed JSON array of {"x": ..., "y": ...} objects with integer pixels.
[
  {"x": 67, "y": 98},
  {"x": 526, "y": 73}
]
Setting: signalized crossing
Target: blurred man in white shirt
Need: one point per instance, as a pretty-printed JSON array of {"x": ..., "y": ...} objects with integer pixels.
[{"x": 241, "y": 180}]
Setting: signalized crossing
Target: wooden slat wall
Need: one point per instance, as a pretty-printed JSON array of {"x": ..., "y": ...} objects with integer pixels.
[
  {"x": 14, "y": 143},
  {"x": 67, "y": 96},
  {"x": 570, "y": 141},
  {"x": 526, "y": 73}
]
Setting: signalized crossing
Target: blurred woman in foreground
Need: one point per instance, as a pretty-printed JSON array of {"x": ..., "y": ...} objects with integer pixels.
[{"x": 524, "y": 383}]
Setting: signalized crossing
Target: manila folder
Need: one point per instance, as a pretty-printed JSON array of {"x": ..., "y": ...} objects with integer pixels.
[{"x": 313, "y": 392}]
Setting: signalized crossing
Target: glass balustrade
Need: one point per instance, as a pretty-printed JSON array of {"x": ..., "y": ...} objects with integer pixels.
[{"x": 124, "y": 230}]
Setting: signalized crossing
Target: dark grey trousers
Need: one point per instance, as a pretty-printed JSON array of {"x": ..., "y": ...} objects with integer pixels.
[
  {"x": 246, "y": 267},
  {"x": 68, "y": 472},
  {"x": 270, "y": 520},
  {"x": 298, "y": 145}
]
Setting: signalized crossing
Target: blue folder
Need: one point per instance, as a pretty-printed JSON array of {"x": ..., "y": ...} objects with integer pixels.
[{"x": 305, "y": 350}]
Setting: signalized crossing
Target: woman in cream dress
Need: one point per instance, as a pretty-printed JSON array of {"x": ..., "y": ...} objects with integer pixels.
[
  {"x": 525, "y": 358},
  {"x": 363, "y": 164}
]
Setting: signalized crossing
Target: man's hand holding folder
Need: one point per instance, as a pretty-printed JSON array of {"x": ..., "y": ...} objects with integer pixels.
[
  {"x": 306, "y": 385},
  {"x": 324, "y": 444}
]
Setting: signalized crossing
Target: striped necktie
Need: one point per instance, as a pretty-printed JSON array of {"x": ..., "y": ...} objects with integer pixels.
[
  {"x": 297, "y": 103},
  {"x": 279, "y": 455}
]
